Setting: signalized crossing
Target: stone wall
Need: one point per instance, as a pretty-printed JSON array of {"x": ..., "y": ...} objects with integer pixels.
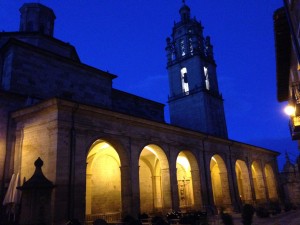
[
  {"x": 42, "y": 41},
  {"x": 137, "y": 106},
  {"x": 37, "y": 73},
  {"x": 128, "y": 136}
]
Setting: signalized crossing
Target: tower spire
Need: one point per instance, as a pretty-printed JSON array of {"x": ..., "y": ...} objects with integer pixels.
[{"x": 194, "y": 98}]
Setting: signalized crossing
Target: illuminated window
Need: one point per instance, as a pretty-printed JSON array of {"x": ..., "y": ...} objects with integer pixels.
[
  {"x": 191, "y": 46},
  {"x": 206, "y": 78},
  {"x": 184, "y": 80},
  {"x": 182, "y": 47}
]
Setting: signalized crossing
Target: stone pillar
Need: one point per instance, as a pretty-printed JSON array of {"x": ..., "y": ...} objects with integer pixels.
[
  {"x": 134, "y": 173},
  {"x": 173, "y": 180},
  {"x": 261, "y": 189},
  {"x": 225, "y": 189},
  {"x": 166, "y": 191},
  {"x": 277, "y": 178},
  {"x": 207, "y": 194},
  {"x": 126, "y": 191},
  {"x": 253, "y": 194},
  {"x": 196, "y": 189},
  {"x": 157, "y": 194},
  {"x": 233, "y": 186},
  {"x": 264, "y": 179},
  {"x": 206, "y": 185},
  {"x": 247, "y": 187},
  {"x": 36, "y": 198},
  {"x": 18, "y": 149},
  {"x": 88, "y": 195}
]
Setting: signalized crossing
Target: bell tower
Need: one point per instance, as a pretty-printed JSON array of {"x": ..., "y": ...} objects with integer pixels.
[
  {"x": 36, "y": 17},
  {"x": 194, "y": 100}
]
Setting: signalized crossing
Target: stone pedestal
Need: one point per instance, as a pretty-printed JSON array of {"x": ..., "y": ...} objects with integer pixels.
[{"x": 36, "y": 198}]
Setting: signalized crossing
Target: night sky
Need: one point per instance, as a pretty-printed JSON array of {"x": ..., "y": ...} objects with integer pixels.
[{"x": 128, "y": 39}]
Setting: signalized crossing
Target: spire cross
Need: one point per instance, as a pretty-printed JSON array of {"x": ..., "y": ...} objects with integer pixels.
[{"x": 183, "y": 1}]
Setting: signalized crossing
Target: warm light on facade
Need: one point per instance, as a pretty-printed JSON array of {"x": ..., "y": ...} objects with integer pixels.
[
  {"x": 213, "y": 158},
  {"x": 289, "y": 110},
  {"x": 183, "y": 161},
  {"x": 151, "y": 150}
]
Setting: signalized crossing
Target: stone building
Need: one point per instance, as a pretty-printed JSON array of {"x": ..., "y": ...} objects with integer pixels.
[
  {"x": 289, "y": 178},
  {"x": 111, "y": 153},
  {"x": 287, "y": 39}
]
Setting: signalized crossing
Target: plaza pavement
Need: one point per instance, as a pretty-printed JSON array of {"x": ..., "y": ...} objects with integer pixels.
[{"x": 284, "y": 218}]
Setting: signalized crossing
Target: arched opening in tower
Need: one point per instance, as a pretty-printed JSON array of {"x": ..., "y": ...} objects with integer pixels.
[
  {"x": 243, "y": 181},
  {"x": 154, "y": 180},
  {"x": 219, "y": 180},
  {"x": 184, "y": 81},
  {"x": 103, "y": 180},
  {"x": 271, "y": 184},
  {"x": 258, "y": 182}
]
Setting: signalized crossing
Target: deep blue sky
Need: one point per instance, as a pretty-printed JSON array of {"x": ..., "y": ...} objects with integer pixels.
[{"x": 127, "y": 38}]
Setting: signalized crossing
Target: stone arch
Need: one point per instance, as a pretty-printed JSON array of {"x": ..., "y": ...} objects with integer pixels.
[
  {"x": 103, "y": 180},
  {"x": 118, "y": 146},
  {"x": 154, "y": 180},
  {"x": 258, "y": 182},
  {"x": 243, "y": 181},
  {"x": 219, "y": 180},
  {"x": 188, "y": 180},
  {"x": 271, "y": 184}
]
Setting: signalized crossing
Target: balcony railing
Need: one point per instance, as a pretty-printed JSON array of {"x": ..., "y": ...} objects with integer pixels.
[
  {"x": 294, "y": 125},
  {"x": 294, "y": 101}
]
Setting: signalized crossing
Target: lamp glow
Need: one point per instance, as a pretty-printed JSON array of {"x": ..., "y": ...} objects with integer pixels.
[{"x": 289, "y": 110}]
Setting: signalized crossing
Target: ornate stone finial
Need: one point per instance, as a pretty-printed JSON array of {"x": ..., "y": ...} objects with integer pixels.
[
  {"x": 38, "y": 179},
  {"x": 39, "y": 163}
]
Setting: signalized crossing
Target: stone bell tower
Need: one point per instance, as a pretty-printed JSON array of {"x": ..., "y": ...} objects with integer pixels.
[
  {"x": 194, "y": 101},
  {"x": 37, "y": 18}
]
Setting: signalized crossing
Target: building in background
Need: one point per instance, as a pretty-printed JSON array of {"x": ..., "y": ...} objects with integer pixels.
[
  {"x": 287, "y": 36},
  {"x": 287, "y": 43},
  {"x": 109, "y": 153}
]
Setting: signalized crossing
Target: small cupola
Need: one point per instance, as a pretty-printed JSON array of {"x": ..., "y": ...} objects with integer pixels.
[
  {"x": 185, "y": 12},
  {"x": 36, "y": 17}
]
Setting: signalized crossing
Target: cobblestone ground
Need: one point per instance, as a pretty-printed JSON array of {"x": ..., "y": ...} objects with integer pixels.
[{"x": 284, "y": 218}]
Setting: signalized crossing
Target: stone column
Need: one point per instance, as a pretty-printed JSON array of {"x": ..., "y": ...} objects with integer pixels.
[
  {"x": 276, "y": 177},
  {"x": 173, "y": 179},
  {"x": 134, "y": 173},
  {"x": 225, "y": 188},
  {"x": 18, "y": 150},
  {"x": 88, "y": 195},
  {"x": 233, "y": 187},
  {"x": 264, "y": 180},
  {"x": 126, "y": 189},
  {"x": 206, "y": 185},
  {"x": 196, "y": 189},
  {"x": 166, "y": 190},
  {"x": 253, "y": 194},
  {"x": 247, "y": 187}
]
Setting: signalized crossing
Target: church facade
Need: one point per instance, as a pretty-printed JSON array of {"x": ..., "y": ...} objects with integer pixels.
[{"x": 111, "y": 153}]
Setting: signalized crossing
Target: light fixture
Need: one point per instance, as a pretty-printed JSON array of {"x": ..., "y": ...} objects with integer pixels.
[{"x": 290, "y": 110}]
